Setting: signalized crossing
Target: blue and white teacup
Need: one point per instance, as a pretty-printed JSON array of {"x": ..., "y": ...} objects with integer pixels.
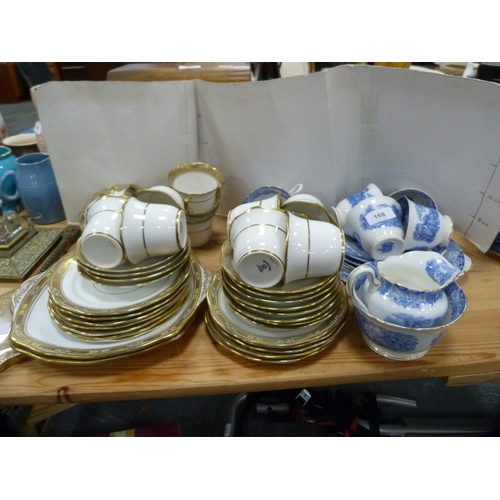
[
  {"x": 375, "y": 223},
  {"x": 344, "y": 207},
  {"x": 425, "y": 227}
]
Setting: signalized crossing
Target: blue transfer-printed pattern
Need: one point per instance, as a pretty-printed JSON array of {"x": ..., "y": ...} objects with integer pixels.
[
  {"x": 427, "y": 229},
  {"x": 457, "y": 300},
  {"x": 356, "y": 198},
  {"x": 405, "y": 210},
  {"x": 395, "y": 221},
  {"x": 387, "y": 338},
  {"x": 455, "y": 256},
  {"x": 387, "y": 247},
  {"x": 440, "y": 272},
  {"x": 408, "y": 298},
  {"x": 410, "y": 321},
  {"x": 435, "y": 340},
  {"x": 360, "y": 281},
  {"x": 266, "y": 190}
]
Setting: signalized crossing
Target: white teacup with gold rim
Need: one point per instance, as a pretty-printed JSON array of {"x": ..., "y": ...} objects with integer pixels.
[
  {"x": 100, "y": 242},
  {"x": 165, "y": 230},
  {"x": 315, "y": 249},
  {"x": 108, "y": 203},
  {"x": 255, "y": 216},
  {"x": 259, "y": 253},
  {"x": 199, "y": 184},
  {"x": 272, "y": 202},
  {"x": 163, "y": 195}
]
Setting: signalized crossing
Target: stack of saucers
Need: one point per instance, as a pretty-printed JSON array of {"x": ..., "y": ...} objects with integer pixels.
[
  {"x": 128, "y": 274},
  {"x": 95, "y": 311},
  {"x": 280, "y": 324}
]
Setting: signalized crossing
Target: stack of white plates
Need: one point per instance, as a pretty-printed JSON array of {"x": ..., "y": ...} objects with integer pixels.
[
  {"x": 128, "y": 274},
  {"x": 280, "y": 324},
  {"x": 66, "y": 317}
]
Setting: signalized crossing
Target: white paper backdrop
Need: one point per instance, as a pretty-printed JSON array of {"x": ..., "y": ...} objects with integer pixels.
[{"x": 334, "y": 131}]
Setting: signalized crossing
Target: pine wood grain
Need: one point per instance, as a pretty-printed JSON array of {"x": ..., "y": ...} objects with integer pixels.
[{"x": 195, "y": 365}]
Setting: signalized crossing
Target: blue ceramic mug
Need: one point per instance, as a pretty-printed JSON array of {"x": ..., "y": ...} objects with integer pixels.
[
  {"x": 36, "y": 187},
  {"x": 8, "y": 194}
]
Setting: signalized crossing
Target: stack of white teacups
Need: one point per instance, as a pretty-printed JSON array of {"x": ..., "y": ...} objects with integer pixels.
[
  {"x": 273, "y": 245},
  {"x": 199, "y": 185},
  {"x": 123, "y": 228}
]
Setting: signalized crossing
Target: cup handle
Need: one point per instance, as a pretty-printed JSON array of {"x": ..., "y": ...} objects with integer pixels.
[
  {"x": 3, "y": 194},
  {"x": 351, "y": 280},
  {"x": 296, "y": 189}
]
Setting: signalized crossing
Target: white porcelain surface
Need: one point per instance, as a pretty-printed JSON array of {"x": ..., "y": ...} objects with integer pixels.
[
  {"x": 256, "y": 216},
  {"x": 315, "y": 248},
  {"x": 163, "y": 195},
  {"x": 259, "y": 253},
  {"x": 132, "y": 231},
  {"x": 425, "y": 228},
  {"x": 200, "y": 191},
  {"x": 165, "y": 229},
  {"x": 416, "y": 195},
  {"x": 108, "y": 203},
  {"x": 87, "y": 295},
  {"x": 407, "y": 290},
  {"x": 271, "y": 202},
  {"x": 100, "y": 241},
  {"x": 326, "y": 249},
  {"x": 398, "y": 342},
  {"x": 37, "y": 329},
  {"x": 344, "y": 206},
  {"x": 375, "y": 223},
  {"x": 297, "y": 257},
  {"x": 311, "y": 207}
]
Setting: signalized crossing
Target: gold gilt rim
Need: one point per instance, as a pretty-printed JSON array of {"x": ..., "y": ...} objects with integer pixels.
[
  {"x": 297, "y": 335},
  {"x": 305, "y": 320},
  {"x": 169, "y": 199},
  {"x": 296, "y": 301},
  {"x": 113, "y": 320},
  {"x": 271, "y": 305},
  {"x": 127, "y": 333},
  {"x": 269, "y": 292},
  {"x": 262, "y": 357},
  {"x": 196, "y": 166},
  {"x": 123, "y": 326},
  {"x": 49, "y": 352},
  {"x": 165, "y": 263},
  {"x": 331, "y": 218},
  {"x": 136, "y": 281},
  {"x": 124, "y": 312},
  {"x": 283, "y": 351},
  {"x": 56, "y": 293},
  {"x": 287, "y": 313},
  {"x": 78, "y": 361}
]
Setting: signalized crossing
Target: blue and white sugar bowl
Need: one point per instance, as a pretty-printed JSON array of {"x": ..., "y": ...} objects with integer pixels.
[{"x": 406, "y": 290}]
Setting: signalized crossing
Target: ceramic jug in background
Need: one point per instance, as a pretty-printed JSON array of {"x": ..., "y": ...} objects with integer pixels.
[
  {"x": 8, "y": 193},
  {"x": 36, "y": 187}
]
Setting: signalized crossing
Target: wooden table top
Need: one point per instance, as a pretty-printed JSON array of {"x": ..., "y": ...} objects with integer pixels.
[{"x": 196, "y": 365}]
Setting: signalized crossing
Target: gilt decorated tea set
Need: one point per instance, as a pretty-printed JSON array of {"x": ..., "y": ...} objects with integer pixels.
[{"x": 290, "y": 269}]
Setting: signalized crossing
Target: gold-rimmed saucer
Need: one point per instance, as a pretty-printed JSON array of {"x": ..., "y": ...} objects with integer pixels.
[
  {"x": 93, "y": 328},
  {"x": 144, "y": 270},
  {"x": 241, "y": 328},
  {"x": 264, "y": 355},
  {"x": 72, "y": 292},
  {"x": 293, "y": 289}
]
